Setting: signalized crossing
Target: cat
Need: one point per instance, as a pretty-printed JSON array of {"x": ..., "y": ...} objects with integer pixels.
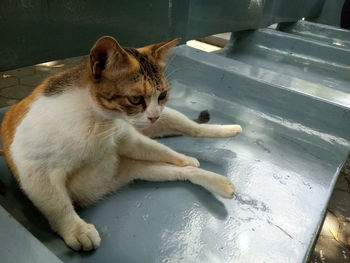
[{"x": 85, "y": 132}]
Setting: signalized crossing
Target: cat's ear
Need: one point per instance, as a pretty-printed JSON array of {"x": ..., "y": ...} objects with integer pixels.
[
  {"x": 107, "y": 53},
  {"x": 160, "y": 50}
]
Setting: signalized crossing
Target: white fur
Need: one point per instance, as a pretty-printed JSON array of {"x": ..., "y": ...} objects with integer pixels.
[{"x": 68, "y": 150}]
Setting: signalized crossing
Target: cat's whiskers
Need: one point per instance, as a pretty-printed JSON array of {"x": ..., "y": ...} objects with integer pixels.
[
  {"x": 107, "y": 136},
  {"x": 169, "y": 60},
  {"x": 108, "y": 131}
]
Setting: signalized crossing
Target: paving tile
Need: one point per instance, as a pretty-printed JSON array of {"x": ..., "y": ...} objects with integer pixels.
[
  {"x": 21, "y": 72},
  {"x": 330, "y": 224},
  {"x": 48, "y": 71},
  {"x": 58, "y": 65},
  {"x": 32, "y": 80},
  {"x": 4, "y": 102},
  {"x": 329, "y": 251},
  {"x": 340, "y": 205},
  {"x": 342, "y": 184},
  {"x": 346, "y": 167},
  {"x": 202, "y": 46},
  {"x": 73, "y": 61},
  {"x": 16, "y": 92},
  {"x": 8, "y": 81},
  {"x": 344, "y": 233}
]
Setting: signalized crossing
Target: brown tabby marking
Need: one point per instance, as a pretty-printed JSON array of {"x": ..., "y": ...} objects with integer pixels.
[
  {"x": 148, "y": 68},
  {"x": 58, "y": 83}
]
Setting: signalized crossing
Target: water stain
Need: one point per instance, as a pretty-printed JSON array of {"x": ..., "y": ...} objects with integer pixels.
[
  {"x": 282, "y": 179},
  {"x": 253, "y": 203},
  {"x": 260, "y": 143}
]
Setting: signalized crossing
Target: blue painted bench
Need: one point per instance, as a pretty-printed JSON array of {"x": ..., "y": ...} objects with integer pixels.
[{"x": 288, "y": 89}]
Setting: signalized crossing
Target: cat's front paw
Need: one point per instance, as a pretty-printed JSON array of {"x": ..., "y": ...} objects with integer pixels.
[
  {"x": 82, "y": 236},
  {"x": 230, "y": 130},
  {"x": 184, "y": 160}
]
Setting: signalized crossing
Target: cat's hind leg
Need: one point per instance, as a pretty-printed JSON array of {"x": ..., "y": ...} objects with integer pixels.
[
  {"x": 172, "y": 122},
  {"x": 130, "y": 170},
  {"x": 94, "y": 181}
]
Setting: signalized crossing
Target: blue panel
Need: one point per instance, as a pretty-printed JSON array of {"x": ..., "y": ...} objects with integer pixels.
[
  {"x": 31, "y": 29},
  {"x": 331, "y": 11},
  {"x": 19, "y": 245}
]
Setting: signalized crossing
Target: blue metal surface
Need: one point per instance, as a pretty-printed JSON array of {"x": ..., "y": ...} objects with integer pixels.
[
  {"x": 19, "y": 245},
  {"x": 326, "y": 34},
  {"x": 303, "y": 64},
  {"x": 284, "y": 166},
  {"x": 330, "y": 13},
  {"x": 31, "y": 30}
]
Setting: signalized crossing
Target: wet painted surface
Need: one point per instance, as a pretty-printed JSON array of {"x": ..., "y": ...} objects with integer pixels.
[
  {"x": 284, "y": 166},
  {"x": 327, "y": 34},
  {"x": 323, "y": 70}
]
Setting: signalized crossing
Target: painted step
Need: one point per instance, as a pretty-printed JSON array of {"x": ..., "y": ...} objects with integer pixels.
[
  {"x": 265, "y": 90},
  {"x": 296, "y": 56},
  {"x": 319, "y": 32}
]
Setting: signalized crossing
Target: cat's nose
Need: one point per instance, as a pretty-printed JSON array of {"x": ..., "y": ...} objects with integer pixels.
[{"x": 153, "y": 119}]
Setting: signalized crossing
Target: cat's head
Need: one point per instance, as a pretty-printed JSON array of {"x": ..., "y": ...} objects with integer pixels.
[{"x": 129, "y": 82}]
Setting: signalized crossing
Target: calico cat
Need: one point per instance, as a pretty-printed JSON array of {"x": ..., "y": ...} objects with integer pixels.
[{"x": 85, "y": 132}]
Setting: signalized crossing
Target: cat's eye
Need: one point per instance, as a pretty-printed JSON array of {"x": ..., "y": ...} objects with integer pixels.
[
  {"x": 136, "y": 100},
  {"x": 162, "y": 95}
]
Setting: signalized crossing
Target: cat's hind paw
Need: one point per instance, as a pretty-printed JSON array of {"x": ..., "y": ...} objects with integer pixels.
[
  {"x": 82, "y": 236},
  {"x": 191, "y": 161},
  {"x": 184, "y": 160},
  {"x": 230, "y": 130},
  {"x": 223, "y": 187}
]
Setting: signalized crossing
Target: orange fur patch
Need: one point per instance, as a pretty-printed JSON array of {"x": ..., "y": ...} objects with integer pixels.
[{"x": 11, "y": 121}]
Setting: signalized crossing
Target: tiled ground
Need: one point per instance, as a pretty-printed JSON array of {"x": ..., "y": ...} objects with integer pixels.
[
  {"x": 333, "y": 244},
  {"x": 16, "y": 84}
]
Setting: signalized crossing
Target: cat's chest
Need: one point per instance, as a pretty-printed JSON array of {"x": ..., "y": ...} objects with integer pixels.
[{"x": 72, "y": 138}]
